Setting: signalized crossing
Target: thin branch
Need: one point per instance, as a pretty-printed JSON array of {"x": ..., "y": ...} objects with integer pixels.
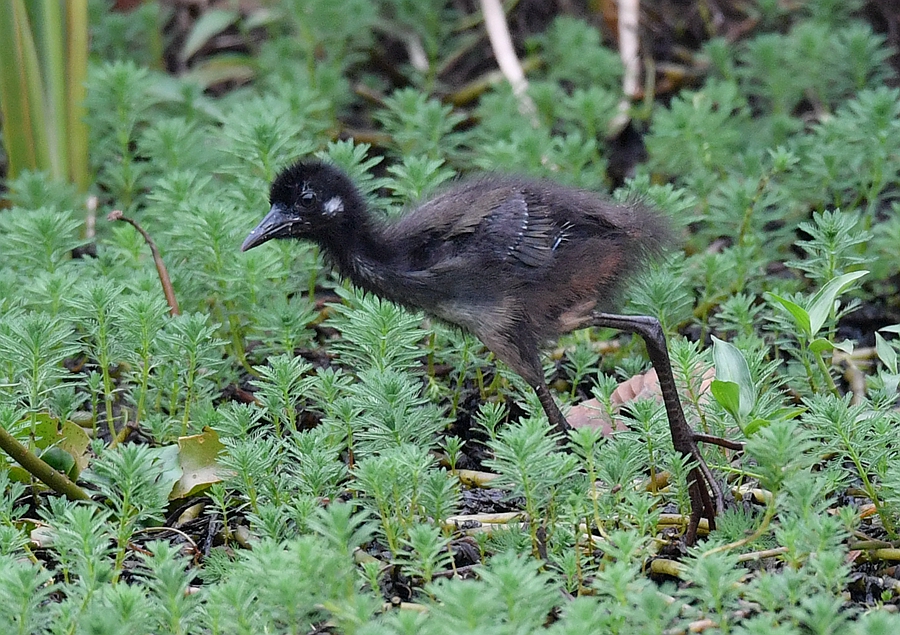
[{"x": 157, "y": 259}]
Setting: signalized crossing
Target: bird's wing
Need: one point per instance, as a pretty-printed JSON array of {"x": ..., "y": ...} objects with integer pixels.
[
  {"x": 513, "y": 226},
  {"x": 490, "y": 222}
]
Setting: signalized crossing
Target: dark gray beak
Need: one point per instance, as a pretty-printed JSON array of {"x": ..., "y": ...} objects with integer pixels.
[{"x": 276, "y": 224}]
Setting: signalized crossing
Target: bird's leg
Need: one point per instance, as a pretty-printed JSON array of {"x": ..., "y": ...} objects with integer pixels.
[
  {"x": 554, "y": 415},
  {"x": 519, "y": 351},
  {"x": 700, "y": 479}
]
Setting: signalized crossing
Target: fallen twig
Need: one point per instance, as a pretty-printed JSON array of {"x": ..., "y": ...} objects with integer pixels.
[{"x": 157, "y": 259}]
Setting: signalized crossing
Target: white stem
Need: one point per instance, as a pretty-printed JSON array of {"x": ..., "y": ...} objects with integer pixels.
[
  {"x": 629, "y": 45},
  {"x": 505, "y": 54}
]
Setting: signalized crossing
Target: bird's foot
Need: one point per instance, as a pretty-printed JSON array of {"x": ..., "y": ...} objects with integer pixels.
[{"x": 704, "y": 491}]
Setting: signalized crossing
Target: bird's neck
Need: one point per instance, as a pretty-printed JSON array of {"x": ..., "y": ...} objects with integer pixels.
[{"x": 365, "y": 256}]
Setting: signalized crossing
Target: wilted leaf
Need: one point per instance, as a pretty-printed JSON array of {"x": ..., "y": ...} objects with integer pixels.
[
  {"x": 198, "y": 456},
  {"x": 591, "y": 413}
]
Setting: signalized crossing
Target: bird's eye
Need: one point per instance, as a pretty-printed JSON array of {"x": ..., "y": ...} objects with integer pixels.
[{"x": 307, "y": 198}]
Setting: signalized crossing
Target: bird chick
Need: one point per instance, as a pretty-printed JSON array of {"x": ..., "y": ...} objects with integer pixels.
[{"x": 512, "y": 260}]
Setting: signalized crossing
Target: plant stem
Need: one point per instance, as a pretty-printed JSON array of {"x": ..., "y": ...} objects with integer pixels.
[
  {"x": 37, "y": 467},
  {"x": 829, "y": 380}
]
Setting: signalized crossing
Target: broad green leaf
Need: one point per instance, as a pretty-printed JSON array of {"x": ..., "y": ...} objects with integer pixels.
[
  {"x": 261, "y": 17},
  {"x": 891, "y": 381},
  {"x": 59, "y": 460},
  {"x": 210, "y": 24},
  {"x": 225, "y": 67},
  {"x": 728, "y": 394},
  {"x": 787, "y": 413},
  {"x": 74, "y": 440},
  {"x": 821, "y": 345},
  {"x": 845, "y": 346},
  {"x": 168, "y": 457},
  {"x": 823, "y": 301},
  {"x": 731, "y": 366},
  {"x": 801, "y": 317},
  {"x": 754, "y": 426},
  {"x": 893, "y": 328},
  {"x": 886, "y": 353}
]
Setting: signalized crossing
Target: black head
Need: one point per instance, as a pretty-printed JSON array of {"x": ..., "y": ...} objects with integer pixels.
[{"x": 309, "y": 200}]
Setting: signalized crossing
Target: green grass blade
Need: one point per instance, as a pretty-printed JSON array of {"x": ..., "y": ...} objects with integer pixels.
[
  {"x": 50, "y": 22},
  {"x": 14, "y": 93},
  {"x": 76, "y": 76}
]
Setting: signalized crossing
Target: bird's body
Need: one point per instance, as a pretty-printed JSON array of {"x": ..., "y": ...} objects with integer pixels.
[
  {"x": 512, "y": 260},
  {"x": 515, "y": 261}
]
